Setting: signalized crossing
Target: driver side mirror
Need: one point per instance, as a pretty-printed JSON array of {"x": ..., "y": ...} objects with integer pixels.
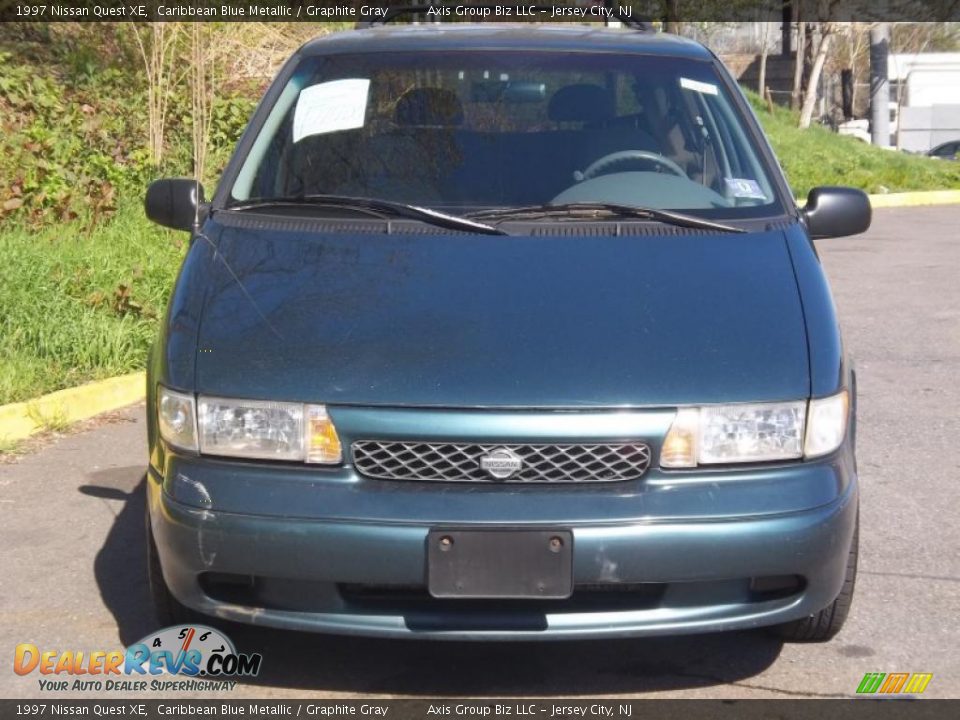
[
  {"x": 833, "y": 211},
  {"x": 174, "y": 202}
]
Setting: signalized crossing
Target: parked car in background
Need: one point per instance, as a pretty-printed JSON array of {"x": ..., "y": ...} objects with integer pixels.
[
  {"x": 946, "y": 151},
  {"x": 503, "y": 333}
]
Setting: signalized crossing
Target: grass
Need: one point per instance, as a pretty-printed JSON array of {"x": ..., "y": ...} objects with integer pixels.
[
  {"x": 54, "y": 422},
  {"x": 817, "y": 156},
  {"x": 81, "y": 305}
]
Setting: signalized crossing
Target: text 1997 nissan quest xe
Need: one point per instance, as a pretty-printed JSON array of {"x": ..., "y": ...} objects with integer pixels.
[{"x": 499, "y": 332}]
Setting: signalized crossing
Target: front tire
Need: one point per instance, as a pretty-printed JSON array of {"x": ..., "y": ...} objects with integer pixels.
[{"x": 824, "y": 625}]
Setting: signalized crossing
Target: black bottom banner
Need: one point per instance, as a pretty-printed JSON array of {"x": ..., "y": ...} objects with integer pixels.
[{"x": 547, "y": 709}]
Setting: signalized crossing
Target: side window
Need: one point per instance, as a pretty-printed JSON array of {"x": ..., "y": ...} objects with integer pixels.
[{"x": 744, "y": 181}]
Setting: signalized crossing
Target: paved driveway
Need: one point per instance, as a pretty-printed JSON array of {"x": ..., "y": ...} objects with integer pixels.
[{"x": 71, "y": 517}]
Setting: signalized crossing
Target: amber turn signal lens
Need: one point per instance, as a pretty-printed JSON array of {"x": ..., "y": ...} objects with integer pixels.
[
  {"x": 679, "y": 448},
  {"x": 323, "y": 443}
]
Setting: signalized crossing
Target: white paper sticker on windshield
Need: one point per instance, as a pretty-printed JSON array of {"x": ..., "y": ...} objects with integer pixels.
[
  {"x": 744, "y": 188},
  {"x": 697, "y": 86},
  {"x": 329, "y": 107}
]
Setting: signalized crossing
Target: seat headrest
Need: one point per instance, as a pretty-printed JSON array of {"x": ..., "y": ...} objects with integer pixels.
[
  {"x": 581, "y": 103},
  {"x": 429, "y": 106}
]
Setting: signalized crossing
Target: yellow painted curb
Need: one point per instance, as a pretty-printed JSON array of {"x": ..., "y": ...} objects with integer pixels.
[
  {"x": 915, "y": 199},
  {"x": 908, "y": 199},
  {"x": 60, "y": 408}
]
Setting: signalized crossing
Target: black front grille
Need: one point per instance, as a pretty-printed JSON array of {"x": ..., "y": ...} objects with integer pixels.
[{"x": 538, "y": 463}]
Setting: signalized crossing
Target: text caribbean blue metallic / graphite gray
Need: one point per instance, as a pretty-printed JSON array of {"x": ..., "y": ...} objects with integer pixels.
[{"x": 510, "y": 333}]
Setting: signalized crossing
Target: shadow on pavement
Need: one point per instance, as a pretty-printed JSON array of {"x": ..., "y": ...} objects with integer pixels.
[
  {"x": 120, "y": 566},
  {"x": 340, "y": 665},
  {"x": 410, "y": 667}
]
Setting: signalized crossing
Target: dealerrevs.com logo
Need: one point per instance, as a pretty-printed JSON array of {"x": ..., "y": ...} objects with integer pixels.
[{"x": 201, "y": 657}]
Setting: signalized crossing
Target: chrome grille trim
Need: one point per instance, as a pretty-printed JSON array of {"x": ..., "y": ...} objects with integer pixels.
[{"x": 460, "y": 462}]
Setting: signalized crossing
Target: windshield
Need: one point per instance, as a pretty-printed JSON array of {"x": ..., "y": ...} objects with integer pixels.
[{"x": 465, "y": 131}]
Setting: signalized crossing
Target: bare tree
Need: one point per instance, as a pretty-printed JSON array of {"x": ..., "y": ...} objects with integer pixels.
[
  {"x": 798, "y": 64},
  {"x": 673, "y": 24},
  {"x": 157, "y": 45},
  {"x": 764, "y": 51},
  {"x": 825, "y": 34},
  {"x": 202, "y": 93}
]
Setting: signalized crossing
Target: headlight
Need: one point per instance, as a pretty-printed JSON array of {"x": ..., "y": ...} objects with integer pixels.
[
  {"x": 176, "y": 419},
  {"x": 744, "y": 433},
  {"x": 751, "y": 433},
  {"x": 248, "y": 428},
  {"x": 267, "y": 430}
]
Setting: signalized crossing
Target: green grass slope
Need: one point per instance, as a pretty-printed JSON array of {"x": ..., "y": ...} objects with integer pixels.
[
  {"x": 817, "y": 156},
  {"x": 79, "y": 305}
]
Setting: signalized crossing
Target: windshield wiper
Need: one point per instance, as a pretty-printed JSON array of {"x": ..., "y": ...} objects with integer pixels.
[
  {"x": 373, "y": 206},
  {"x": 602, "y": 210}
]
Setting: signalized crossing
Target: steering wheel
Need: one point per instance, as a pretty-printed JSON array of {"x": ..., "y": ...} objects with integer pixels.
[{"x": 597, "y": 166}]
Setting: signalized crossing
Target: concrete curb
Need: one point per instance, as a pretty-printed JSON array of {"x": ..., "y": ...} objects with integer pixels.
[
  {"x": 909, "y": 199},
  {"x": 916, "y": 199},
  {"x": 20, "y": 420}
]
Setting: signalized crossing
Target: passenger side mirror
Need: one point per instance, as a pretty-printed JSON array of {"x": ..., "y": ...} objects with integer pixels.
[
  {"x": 837, "y": 211},
  {"x": 174, "y": 202}
]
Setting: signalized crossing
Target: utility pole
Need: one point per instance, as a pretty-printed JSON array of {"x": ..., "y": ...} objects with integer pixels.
[{"x": 879, "y": 85}]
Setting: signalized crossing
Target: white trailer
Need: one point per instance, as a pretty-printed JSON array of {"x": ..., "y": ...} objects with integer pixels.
[{"x": 926, "y": 90}]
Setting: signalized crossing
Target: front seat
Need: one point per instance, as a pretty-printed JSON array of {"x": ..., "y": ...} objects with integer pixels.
[
  {"x": 413, "y": 161},
  {"x": 591, "y": 108}
]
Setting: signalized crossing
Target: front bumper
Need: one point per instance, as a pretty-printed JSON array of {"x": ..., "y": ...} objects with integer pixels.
[{"x": 342, "y": 555}]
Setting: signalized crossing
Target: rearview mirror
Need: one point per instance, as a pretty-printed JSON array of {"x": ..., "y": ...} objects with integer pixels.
[
  {"x": 837, "y": 211},
  {"x": 174, "y": 202},
  {"x": 508, "y": 91},
  {"x": 525, "y": 92}
]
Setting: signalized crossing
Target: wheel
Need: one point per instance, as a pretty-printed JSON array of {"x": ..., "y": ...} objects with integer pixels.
[
  {"x": 166, "y": 608},
  {"x": 824, "y": 625}
]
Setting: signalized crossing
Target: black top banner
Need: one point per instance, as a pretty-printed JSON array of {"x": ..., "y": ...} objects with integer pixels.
[{"x": 367, "y": 11}]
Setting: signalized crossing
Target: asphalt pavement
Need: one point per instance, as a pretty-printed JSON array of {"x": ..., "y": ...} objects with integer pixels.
[{"x": 71, "y": 532}]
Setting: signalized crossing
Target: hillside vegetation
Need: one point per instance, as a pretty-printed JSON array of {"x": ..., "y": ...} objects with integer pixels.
[
  {"x": 817, "y": 156},
  {"x": 85, "y": 277}
]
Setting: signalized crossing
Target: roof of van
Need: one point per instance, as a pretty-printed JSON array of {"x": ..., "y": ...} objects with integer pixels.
[{"x": 559, "y": 36}]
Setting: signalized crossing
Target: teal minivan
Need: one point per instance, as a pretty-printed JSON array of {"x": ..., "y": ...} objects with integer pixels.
[{"x": 503, "y": 333}]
